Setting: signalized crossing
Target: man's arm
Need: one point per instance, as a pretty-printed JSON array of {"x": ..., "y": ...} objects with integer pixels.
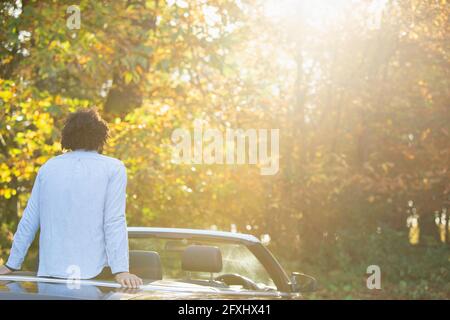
[
  {"x": 115, "y": 227},
  {"x": 26, "y": 230}
]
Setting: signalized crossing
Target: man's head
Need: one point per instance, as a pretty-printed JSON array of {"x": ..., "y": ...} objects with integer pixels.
[{"x": 84, "y": 129}]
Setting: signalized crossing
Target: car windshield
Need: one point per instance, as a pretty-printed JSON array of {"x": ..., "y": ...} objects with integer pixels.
[{"x": 236, "y": 259}]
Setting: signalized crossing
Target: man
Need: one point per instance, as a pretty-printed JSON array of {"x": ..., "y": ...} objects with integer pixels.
[{"x": 78, "y": 202}]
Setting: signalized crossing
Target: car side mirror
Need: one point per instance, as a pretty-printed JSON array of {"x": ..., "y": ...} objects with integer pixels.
[{"x": 303, "y": 283}]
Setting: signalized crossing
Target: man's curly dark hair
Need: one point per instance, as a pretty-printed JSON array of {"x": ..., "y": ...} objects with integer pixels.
[{"x": 84, "y": 129}]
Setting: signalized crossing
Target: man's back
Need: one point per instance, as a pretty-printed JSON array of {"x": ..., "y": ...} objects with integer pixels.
[{"x": 78, "y": 201}]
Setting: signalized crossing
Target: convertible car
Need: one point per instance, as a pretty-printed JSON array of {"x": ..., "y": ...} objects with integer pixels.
[{"x": 177, "y": 264}]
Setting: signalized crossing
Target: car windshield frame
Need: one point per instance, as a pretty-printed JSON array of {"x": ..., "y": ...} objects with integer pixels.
[{"x": 272, "y": 267}]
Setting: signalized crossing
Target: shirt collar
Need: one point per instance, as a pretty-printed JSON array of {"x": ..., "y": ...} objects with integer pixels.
[{"x": 82, "y": 151}]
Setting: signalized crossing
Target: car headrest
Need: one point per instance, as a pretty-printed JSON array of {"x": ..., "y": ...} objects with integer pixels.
[
  {"x": 145, "y": 264},
  {"x": 201, "y": 259}
]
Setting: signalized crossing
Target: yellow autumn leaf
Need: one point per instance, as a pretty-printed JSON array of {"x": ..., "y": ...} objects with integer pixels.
[
  {"x": 128, "y": 77},
  {"x": 6, "y": 95}
]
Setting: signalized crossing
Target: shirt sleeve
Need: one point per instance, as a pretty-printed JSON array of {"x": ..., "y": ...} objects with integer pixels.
[
  {"x": 115, "y": 226},
  {"x": 27, "y": 228}
]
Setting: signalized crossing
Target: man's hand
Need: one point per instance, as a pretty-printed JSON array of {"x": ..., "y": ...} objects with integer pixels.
[
  {"x": 4, "y": 270},
  {"x": 128, "y": 280}
]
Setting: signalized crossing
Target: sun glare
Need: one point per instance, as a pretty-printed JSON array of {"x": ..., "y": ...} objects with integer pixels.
[{"x": 316, "y": 14}]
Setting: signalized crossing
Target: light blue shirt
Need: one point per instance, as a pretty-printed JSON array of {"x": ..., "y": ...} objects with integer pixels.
[{"x": 78, "y": 203}]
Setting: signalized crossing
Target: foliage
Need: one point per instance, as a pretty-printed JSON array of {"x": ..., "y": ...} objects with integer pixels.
[
  {"x": 362, "y": 112},
  {"x": 417, "y": 273}
]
